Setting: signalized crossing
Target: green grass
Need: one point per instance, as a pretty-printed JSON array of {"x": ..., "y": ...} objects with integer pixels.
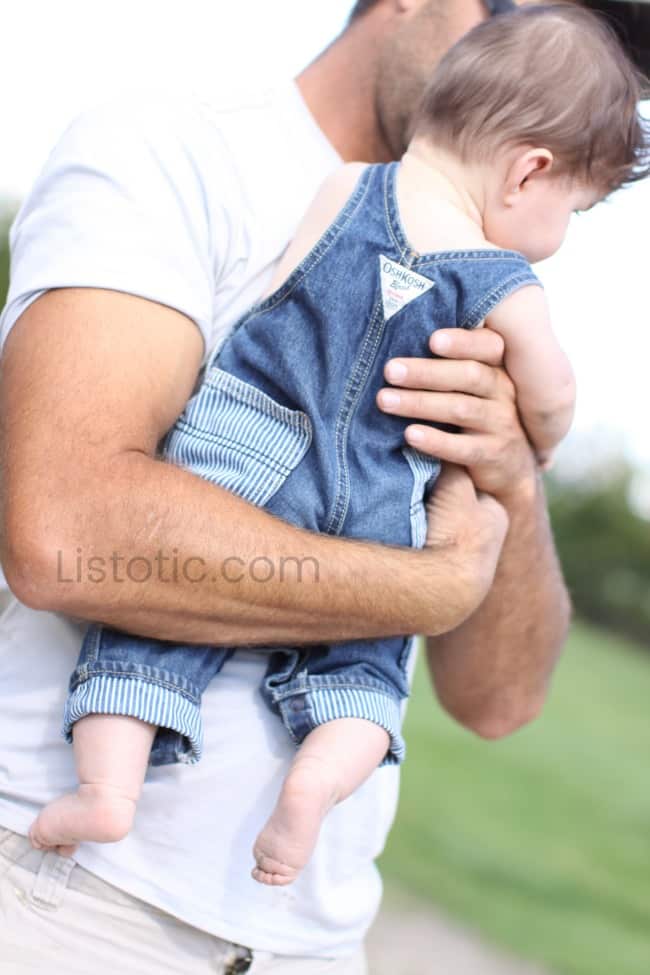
[{"x": 541, "y": 841}]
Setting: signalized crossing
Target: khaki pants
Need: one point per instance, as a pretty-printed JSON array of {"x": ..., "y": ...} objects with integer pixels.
[{"x": 57, "y": 918}]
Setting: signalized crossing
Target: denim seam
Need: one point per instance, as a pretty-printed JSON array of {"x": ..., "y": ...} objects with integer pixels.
[
  {"x": 331, "y": 684},
  {"x": 492, "y": 298},
  {"x": 82, "y": 675},
  {"x": 421, "y": 477},
  {"x": 464, "y": 257},
  {"x": 93, "y": 652},
  {"x": 405, "y": 655},
  {"x": 287, "y": 724},
  {"x": 390, "y": 211},
  {"x": 358, "y": 377},
  {"x": 318, "y": 251}
]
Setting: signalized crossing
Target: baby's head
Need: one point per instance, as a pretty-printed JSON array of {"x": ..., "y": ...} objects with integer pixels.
[{"x": 541, "y": 105}]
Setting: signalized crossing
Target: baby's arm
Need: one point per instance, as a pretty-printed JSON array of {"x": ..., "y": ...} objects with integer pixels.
[{"x": 538, "y": 367}]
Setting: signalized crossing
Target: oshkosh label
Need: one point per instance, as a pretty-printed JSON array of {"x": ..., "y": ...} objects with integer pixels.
[{"x": 399, "y": 286}]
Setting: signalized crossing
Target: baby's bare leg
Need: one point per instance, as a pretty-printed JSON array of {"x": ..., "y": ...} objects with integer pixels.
[
  {"x": 333, "y": 761},
  {"x": 111, "y": 754}
]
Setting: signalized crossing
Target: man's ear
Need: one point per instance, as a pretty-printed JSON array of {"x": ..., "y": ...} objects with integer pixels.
[{"x": 526, "y": 165}]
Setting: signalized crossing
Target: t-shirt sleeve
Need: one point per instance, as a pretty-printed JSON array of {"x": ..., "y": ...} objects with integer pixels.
[{"x": 119, "y": 204}]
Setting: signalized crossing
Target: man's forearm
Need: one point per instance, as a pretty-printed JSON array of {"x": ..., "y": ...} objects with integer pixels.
[
  {"x": 492, "y": 672},
  {"x": 92, "y": 525},
  {"x": 165, "y": 554}
]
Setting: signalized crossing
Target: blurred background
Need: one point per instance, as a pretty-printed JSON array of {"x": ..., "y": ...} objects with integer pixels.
[{"x": 531, "y": 854}]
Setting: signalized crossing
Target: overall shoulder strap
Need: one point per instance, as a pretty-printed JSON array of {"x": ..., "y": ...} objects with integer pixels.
[{"x": 491, "y": 277}]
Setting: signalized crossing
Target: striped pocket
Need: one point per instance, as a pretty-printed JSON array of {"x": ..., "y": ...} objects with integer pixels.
[
  {"x": 238, "y": 437},
  {"x": 425, "y": 472}
]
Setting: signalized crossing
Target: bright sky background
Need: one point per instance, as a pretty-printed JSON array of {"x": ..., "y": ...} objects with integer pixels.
[{"x": 59, "y": 58}]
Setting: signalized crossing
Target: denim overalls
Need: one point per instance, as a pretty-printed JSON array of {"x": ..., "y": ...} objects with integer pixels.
[{"x": 286, "y": 418}]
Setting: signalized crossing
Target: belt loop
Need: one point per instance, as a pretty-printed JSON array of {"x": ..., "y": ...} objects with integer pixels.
[{"x": 51, "y": 881}]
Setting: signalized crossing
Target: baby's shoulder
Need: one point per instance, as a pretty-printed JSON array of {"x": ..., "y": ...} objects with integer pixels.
[
  {"x": 330, "y": 199},
  {"x": 323, "y": 210},
  {"x": 339, "y": 185}
]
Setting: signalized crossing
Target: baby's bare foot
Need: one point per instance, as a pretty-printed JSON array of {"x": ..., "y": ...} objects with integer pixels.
[
  {"x": 287, "y": 841},
  {"x": 98, "y": 813}
]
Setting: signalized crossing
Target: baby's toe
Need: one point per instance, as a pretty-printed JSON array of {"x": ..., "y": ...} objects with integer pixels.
[{"x": 270, "y": 879}]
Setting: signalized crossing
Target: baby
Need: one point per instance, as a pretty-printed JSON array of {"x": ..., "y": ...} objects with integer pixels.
[{"x": 530, "y": 117}]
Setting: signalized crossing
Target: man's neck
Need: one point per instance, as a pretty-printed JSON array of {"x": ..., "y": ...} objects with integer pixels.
[{"x": 339, "y": 89}]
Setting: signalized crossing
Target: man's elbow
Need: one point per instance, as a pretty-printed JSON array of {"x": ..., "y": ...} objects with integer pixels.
[
  {"x": 509, "y": 710},
  {"x": 32, "y": 563},
  {"x": 493, "y": 725},
  {"x": 505, "y": 710}
]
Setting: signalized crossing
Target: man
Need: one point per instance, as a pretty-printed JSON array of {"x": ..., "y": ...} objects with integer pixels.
[{"x": 152, "y": 227}]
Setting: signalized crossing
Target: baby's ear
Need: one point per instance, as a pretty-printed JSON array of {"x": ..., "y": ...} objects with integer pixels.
[{"x": 527, "y": 164}]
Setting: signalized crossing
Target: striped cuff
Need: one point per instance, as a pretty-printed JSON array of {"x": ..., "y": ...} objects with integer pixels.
[
  {"x": 329, "y": 703},
  {"x": 136, "y": 698}
]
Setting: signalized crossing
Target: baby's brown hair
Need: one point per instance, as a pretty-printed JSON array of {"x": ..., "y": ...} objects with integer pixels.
[{"x": 553, "y": 76}]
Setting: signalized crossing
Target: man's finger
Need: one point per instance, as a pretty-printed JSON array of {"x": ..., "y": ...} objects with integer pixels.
[
  {"x": 455, "y": 448},
  {"x": 469, "y": 412},
  {"x": 480, "y": 344},
  {"x": 442, "y": 375}
]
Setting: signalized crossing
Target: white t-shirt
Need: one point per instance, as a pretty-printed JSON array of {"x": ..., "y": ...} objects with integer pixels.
[{"x": 189, "y": 204}]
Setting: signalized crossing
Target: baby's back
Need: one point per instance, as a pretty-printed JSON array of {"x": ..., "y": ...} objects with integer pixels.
[{"x": 287, "y": 414}]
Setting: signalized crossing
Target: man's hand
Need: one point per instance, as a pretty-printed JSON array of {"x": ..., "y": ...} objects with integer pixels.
[
  {"x": 468, "y": 388},
  {"x": 471, "y": 528}
]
